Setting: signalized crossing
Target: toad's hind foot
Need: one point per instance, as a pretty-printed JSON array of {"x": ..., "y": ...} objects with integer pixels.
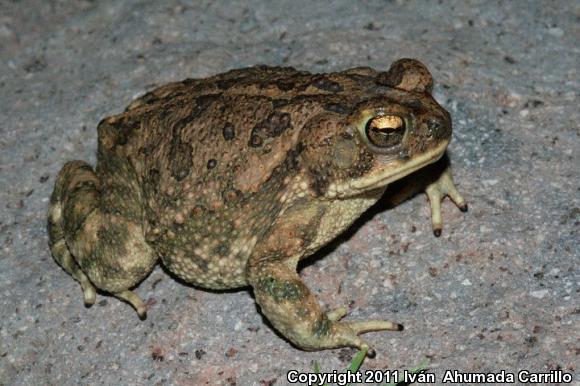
[
  {"x": 134, "y": 300},
  {"x": 97, "y": 237},
  {"x": 436, "y": 191},
  {"x": 63, "y": 257}
]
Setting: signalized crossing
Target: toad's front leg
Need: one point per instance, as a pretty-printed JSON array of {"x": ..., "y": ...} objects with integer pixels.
[
  {"x": 286, "y": 301},
  {"x": 436, "y": 191},
  {"x": 294, "y": 312}
]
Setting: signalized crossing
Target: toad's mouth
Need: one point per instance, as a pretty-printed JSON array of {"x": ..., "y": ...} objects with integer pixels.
[{"x": 391, "y": 172}]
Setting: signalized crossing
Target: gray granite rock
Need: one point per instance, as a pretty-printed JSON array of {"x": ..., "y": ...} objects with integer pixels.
[{"x": 497, "y": 291}]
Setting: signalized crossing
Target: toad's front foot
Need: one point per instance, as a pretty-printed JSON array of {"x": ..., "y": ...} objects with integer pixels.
[
  {"x": 436, "y": 191},
  {"x": 328, "y": 332},
  {"x": 347, "y": 333},
  {"x": 295, "y": 313}
]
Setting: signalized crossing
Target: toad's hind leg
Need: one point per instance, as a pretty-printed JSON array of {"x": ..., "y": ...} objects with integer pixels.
[{"x": 95, "y": 229}]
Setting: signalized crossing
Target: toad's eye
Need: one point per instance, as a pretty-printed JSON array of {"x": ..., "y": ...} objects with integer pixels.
[{"x": 385, "y": 131}]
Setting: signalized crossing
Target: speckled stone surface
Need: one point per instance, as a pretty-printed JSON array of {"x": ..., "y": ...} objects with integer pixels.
[{"x": 499, "y": 290}]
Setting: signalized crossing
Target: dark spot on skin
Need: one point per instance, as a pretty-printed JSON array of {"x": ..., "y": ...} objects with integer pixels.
[
  {"x": 393, "y": 77},
  {"x": 256, "y": 141},
  {"x": 231, "y": 195},
  {"x": 147, "y": 150},
  {"x": 321, "y": 326},
  {"x": 414, "y": 104},
  {"x": 276, "y": 103},
  {"x": 201, "y": 104},
  {"x": 319, "y": 180},
  {"x": 212, "y": 163},
  {"x": 164, "y": 114},
  {"x": 434, "y": 125},
  {"x": 181, "y": 159},
  {"x": 273, "y": 126},
  {"x": 293, "y": 155},
  {"x": 229, "y": 132},
  {"x": 119, "y": 131},
  {"x": 222, "y": 249},
  {"x": 285, "y": 85},
  {"x": 277, "y": 123},
  {"x": 291, "y": 161},
  {"x": 337, "y": 108},
  {"x": 204, "y": 101},
  {"x": 151, "y": 181},
  {"x": 325, "y": 84},
  {"x": 224, "y": 84},
  {"x": 282, "y": 290},
  {"x": 263, "y": 84},
  {"x": 183, "y": 122},
  {"x": 126, "y": 129}
]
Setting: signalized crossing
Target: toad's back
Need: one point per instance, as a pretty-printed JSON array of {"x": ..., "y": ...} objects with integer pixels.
[{"x": 213, "y": 158}]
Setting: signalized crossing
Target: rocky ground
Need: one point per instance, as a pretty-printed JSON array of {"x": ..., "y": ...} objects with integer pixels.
[{"x": 497, "y": 291}]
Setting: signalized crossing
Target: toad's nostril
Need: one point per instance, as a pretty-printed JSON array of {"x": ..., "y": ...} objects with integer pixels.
[{"x": 438, "y": 127}]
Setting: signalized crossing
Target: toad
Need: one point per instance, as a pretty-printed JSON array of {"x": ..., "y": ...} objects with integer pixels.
[{"x": 231, "y": 180}]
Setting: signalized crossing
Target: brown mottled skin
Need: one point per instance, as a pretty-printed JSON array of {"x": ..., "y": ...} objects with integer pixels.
[{"x": 232, "y": 179}]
